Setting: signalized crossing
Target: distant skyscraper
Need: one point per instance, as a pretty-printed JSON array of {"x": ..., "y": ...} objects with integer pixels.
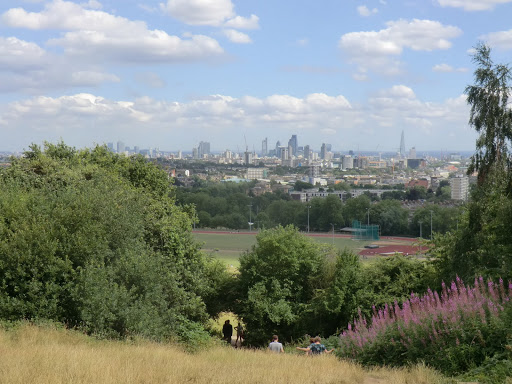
[
  {"x": 110, "y": 146},
  {"x": 328, "y": 147},
  {"x": 136, "y": 149},
  {"x": 293, "y": 144},
  {"x": 120, "y": 147},
  {"x": 402, "y": 146},
  {"x": 307, "y": 152},
  {"x": 203, "y": 149},
  {"x": 264, "y": 147},
  {"x": 195, "y": 153},
  {"x": 323, "y": 151},
  {"x": 412, "y": 153}
]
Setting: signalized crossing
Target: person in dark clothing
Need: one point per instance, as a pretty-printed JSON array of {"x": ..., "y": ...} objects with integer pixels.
[{"x": 227, "y": 331}]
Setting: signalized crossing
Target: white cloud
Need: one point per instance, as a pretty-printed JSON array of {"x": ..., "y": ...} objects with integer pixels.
[
  {"x": 239, "y": 22},
  {"x": 97, "y": 35},
  {"x": 200, "y": 12},
  {"x": 472, "y": 5},
  {"x": 364, "y": 11},
  {"x": 27, "y": 67},
  {"x": 373, "y": 49},
  {"x": 237, "y": 37},
  {"x": 313, "y": 116},
  {"x": 445, "y": 68},
  {"x": 92, "y": 4},
  {"x": 399, "y": 106},
  {"x": 501, "y": 40}
]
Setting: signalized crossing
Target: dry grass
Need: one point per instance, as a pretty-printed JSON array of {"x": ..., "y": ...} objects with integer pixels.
[{"x": 40, "y": 355}]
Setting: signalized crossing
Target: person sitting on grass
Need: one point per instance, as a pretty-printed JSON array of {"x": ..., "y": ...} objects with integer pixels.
[
  {"x": 316, "y": 348},
  {"x": 275, "y": 346}
]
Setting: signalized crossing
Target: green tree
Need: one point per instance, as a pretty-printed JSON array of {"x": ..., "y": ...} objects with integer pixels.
[
  {"x": 277, "y": 281},
  {"x": 481, "y": 245},
  {"x": 96, "y": 240},
  {"x": 356, "y": 209},
  {"x": 390, "y": 216}
]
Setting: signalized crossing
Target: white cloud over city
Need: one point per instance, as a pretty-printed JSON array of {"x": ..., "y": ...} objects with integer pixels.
[{"x": 378, "y": 50}]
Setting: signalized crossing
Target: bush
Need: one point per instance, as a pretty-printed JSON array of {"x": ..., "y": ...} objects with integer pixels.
[{"x": 452, "y": 332}]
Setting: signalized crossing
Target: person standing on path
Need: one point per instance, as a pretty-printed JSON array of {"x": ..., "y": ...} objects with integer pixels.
[
  {"x": 275, "y": 346},
  {"x": 227, "y": 331},
  {"x": 239, "y": 333}
]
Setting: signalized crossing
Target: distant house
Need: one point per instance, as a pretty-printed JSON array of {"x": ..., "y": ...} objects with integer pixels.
[{"x": 417, "y": 183}]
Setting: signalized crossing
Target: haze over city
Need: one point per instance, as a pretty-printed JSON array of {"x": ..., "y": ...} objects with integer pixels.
[{"x": 169, "y": 74}]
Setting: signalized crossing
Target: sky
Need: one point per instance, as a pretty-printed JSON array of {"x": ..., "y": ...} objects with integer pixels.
[{"x": 168, "y": 74}]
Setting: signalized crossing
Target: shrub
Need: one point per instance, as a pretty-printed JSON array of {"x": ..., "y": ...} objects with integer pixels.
[{"x": 453, "y": 332}]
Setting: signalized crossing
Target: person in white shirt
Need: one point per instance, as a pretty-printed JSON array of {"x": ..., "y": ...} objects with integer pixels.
[{"x": 275, "y": 346}]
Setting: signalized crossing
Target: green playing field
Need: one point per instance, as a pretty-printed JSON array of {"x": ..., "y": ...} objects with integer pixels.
[{"x": 228, "y": 246}]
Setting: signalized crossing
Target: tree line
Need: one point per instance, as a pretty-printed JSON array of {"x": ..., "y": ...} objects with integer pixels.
[{"x": 231, "y": 205}]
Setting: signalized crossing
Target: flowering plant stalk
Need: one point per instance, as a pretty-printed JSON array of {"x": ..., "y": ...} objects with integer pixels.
[{"x": 452, "y": 331}]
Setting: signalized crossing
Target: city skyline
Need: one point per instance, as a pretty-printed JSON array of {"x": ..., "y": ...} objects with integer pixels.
[{"x": 172, "y": 73}]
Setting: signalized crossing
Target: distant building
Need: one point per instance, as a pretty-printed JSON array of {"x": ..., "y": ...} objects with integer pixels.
[
  {"x": 264, "y": 147},
  {"x": 323, "y": 151},
  {"x": 412, "y": 153},
  {"x": 307, "y": 152},
  {"x": 120, "y": 147},
  {"x": 248, "y": 159},
  {"x": 415, "y": 163},
  {"x": 256, "y": 173},
  {"x": 347, "y": 162},
  {"x": 460, "y": 187},
  {"x": 110, "y": 146},
  {"x": 417, "y": 183},
  {"x": 203, "y": 149},
  {"x": 293, "y": 144}
]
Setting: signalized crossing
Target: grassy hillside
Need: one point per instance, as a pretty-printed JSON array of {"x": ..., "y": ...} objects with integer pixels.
[{"x": 40, "y": 355}]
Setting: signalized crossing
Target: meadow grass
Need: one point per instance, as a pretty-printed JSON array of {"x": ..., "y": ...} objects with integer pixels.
[{"x": 33, "y": 354}]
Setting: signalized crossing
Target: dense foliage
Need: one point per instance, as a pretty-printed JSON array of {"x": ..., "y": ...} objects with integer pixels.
[
  {"x": 290, "y": 285},
  {"x": 93, "y": 239},
  {"x": 231, "y": 205},
  {"x": 481, "y": 245},
  {"x": 452, "y": 332}
]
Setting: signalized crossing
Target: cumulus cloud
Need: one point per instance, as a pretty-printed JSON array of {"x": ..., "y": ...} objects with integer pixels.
[
  {"x": 239, "y": 22},
  {"x": 364, "y": 11},
  {"x": 472, "y": 5},
  {"x": 445, "y": 68},
  {"x": 374, "y": 49},
  {"x": 25, "y": 66},
  {"x": 237, "y": 37},
  {"x": 399, "y": 106},
  {"x": 99, "y": 35},
  {"x": 200, "y": 12},
  {"x": 501, "y": 40},
  {"x": 383, "y": 115}
]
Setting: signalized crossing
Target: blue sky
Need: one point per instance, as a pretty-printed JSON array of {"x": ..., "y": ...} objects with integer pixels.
[{"x": 171, "y": 73}]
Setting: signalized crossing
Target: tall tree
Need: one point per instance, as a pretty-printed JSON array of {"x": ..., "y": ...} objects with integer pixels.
[{"x": 490, "y": 114}]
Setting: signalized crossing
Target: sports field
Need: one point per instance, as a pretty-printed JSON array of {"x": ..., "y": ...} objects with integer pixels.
[{"x": 228, "y": 246}]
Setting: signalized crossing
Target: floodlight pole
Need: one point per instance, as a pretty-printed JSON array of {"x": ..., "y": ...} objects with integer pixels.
[
  {"x": 250, "y": 217},
  {"x": 332, "y": 233},
  {"x": 368, "y": 212},
  {"x": 431, "y": 213},
  {"x": 309, "y": 206}
]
